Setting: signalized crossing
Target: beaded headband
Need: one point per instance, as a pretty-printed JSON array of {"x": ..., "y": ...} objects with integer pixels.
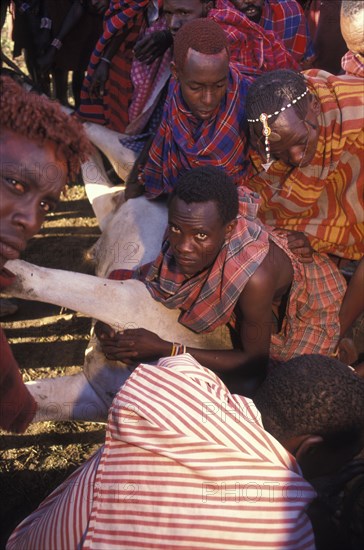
[{"x": 263, "y": 118}]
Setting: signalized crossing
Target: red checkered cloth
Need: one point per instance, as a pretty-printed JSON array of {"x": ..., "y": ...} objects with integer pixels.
[
  {"x": 353, "y": 64},
  {"x": 148, "y": 82},
  {"x": 183, "y": 141},
  {"x": 207, "y": 300},
  {"x": 288, "y": 22},
  {"x": 253, "y": 49},
  {"x": 111, "y": 110},
  {"x": 311, "y": 321}
]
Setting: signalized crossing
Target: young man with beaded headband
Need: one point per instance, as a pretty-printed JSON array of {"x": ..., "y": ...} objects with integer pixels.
[
  {"x": 307, "y": 138},
  {"x": 308, "y": 143},
  {"x": 41, "y": 148}
]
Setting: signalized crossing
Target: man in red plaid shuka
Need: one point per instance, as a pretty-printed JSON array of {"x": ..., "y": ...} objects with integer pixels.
[
  {"x": 219, "y": 267},
  {"x": 105, "y": 99},
  {"x": 204, "y": 119},
  {"x": 286, "y": 19}
]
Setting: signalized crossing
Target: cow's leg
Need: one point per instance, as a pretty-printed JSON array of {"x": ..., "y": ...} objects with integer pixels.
[
  {"x": 99, "y": 190},
  {"x": 67, "y": 398}
]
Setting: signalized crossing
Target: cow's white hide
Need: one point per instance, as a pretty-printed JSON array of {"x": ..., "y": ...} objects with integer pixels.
[{"x": 133, "y": 237}]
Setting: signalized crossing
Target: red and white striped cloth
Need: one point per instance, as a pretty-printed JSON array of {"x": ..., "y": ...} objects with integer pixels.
[{"x": 186, "y": 465}]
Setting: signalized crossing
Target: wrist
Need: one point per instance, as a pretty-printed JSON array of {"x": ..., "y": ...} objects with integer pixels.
[
  {"x": 56, "y": 43},
  {"x": 177, "y": 349}
]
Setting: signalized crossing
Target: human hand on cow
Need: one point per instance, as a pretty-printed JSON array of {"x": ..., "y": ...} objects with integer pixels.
[
  {"x": 130, "y": 345},
  {"x": 298, "y": 243},
  {"x": 151, "y": 47},
  {"x": 99, "y": 79}
]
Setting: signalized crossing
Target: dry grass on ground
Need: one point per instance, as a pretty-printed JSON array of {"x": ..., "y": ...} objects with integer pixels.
[{"x": 47, "y": 342}]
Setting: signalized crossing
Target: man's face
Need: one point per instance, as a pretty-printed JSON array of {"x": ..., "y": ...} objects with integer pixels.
[
  {"x": 196, "y": 234},
  {"x": 32, "y": 178},
  {"x": 251, "y": 8},
  {"x": 179, "y": 12},
  {"x": 203, "y": 81},
  {"x": 293, "y": 140}
]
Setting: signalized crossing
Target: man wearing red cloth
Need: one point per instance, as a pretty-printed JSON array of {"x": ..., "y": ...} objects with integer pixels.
[{"x": 40, "y": 148}]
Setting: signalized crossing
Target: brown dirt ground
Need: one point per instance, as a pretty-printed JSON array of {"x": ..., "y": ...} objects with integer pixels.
[{"x": 48, "y": 341}]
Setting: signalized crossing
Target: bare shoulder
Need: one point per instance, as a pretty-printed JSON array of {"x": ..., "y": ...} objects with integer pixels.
[{"x": 273, "y": 273}]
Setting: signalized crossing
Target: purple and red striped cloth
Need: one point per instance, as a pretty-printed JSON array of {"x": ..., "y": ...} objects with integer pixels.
[
  {"x": 127, "y": 17},
  {"x": 184, "y": 142},
  {"x": 288, "y": 22}
]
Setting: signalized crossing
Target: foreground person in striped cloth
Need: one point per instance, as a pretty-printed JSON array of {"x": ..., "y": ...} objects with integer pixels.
[{"x": 188, "y": 465}]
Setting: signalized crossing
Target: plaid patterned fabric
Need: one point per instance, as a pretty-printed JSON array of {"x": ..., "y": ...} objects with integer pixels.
[
  {"x": 111, "y": 110},
  {"x": 253, "y": 50},
  {"x": 353, "y": 64},
  {"x": 148, "y": 82},
  {"x": 208, "y": 299},
  {"x": 311, "y": 322},
  {"x": 325, "y": 200},
  {"x": 287, "y": 20},
  {"x": 183, "y": 142}
]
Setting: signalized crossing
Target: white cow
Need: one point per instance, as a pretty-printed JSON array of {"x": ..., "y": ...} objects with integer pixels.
[{"x": 132, "y": 237}]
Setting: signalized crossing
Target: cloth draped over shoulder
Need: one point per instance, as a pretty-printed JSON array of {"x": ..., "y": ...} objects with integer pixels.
[
  {"x": 148, "y": 83},
  {"x": 17, "y": 406},
  {"x": 183, "y": 142},
  {"x": 208, "y": 299},
  {"x": 175, "y": 425},
  {"x": 325, "y": 200},
  {"x": 127, "y": 17},
  {"x": 287, "y": 20},
  {"x": 353, "y": 64},
  {"x": 253, "y": 49}
]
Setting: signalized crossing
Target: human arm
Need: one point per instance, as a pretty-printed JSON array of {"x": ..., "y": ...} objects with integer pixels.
[
  {"x": 298, "y": 243},
  {"x": 73, "y": 16},
  {"x": 149, "y": 48},
  {"x": 134, "y": 187},
  {"x": 101, "y": 72},
  {"x": 245, "y": 364}
]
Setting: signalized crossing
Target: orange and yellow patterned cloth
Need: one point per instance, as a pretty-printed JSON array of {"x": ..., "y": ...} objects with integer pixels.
[{"x": 325, "y": 199}]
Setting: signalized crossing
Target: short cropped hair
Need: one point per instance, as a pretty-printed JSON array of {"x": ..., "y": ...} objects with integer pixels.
[
  {"x": 312, "y": 394},
  {"x": 350, "y": 8},
  {"x": 202, "y": 35},
  {"x": 205, "y": 184},
  {"x": 42, "y": 120},
  {"x": 274, "y": 90}
]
